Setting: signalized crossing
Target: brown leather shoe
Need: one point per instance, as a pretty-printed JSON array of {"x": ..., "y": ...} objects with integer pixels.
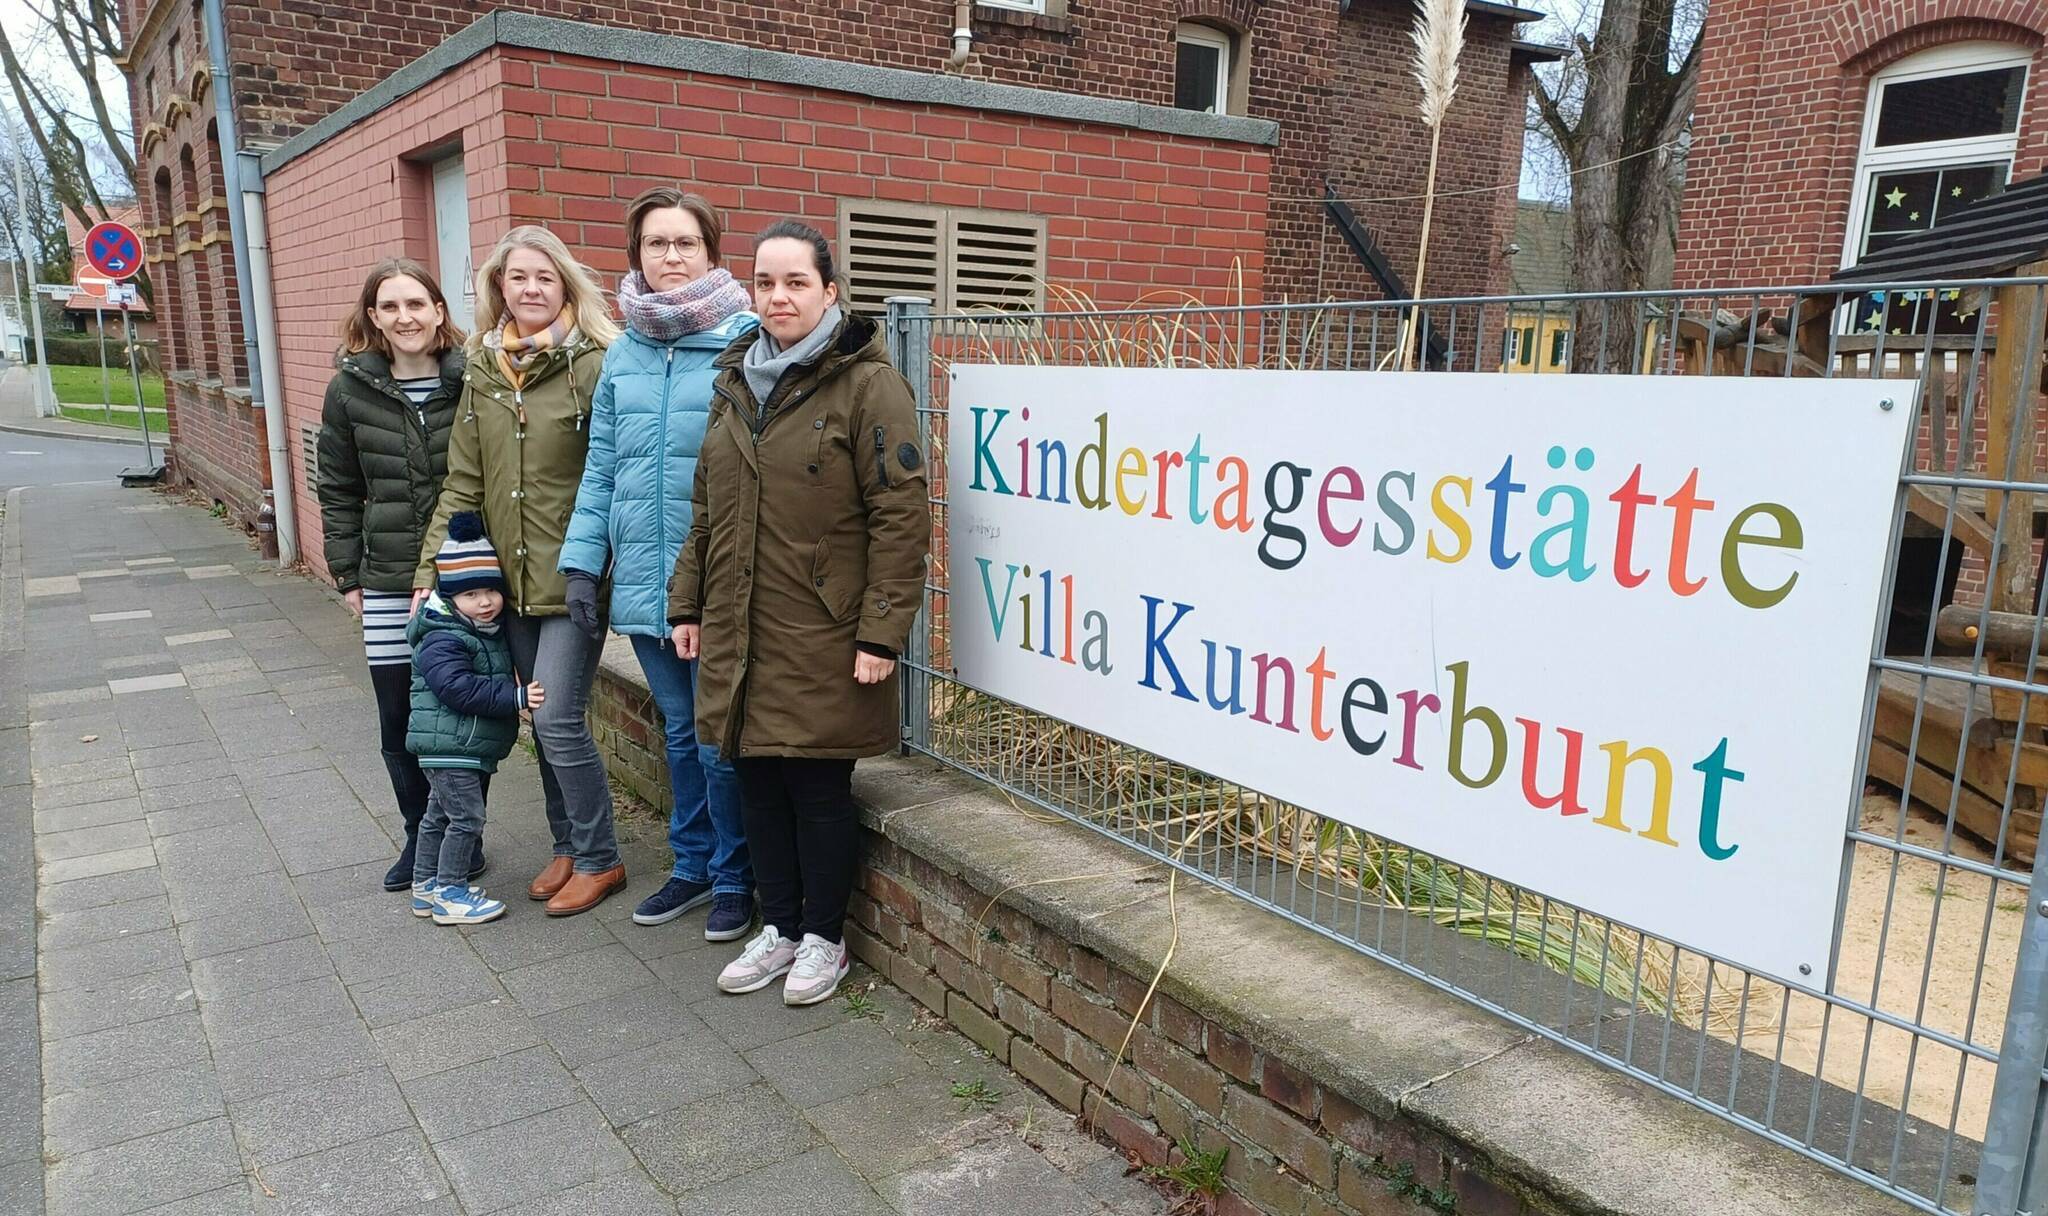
[
  {"x": 551, "y": 879},
  {"x": 585, "y": 891}
]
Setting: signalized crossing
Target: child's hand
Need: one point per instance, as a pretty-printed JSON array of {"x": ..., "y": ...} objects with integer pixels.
[{"x": 535, "y": 695}]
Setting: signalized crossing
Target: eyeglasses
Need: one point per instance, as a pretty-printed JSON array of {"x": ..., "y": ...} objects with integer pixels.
[{"x": 657, "y": 247}]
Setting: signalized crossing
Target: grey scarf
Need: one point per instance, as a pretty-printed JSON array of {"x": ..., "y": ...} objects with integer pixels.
[{"x": 767, "y": 360}]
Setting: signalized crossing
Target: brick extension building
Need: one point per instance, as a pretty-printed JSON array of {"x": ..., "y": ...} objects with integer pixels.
[
  {"x": 1824, "y": 128},
  {"x": 1118, "y": 148}
]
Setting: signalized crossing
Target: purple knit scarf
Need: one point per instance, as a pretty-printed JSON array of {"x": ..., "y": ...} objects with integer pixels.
[{"x": 692, "y": 308}]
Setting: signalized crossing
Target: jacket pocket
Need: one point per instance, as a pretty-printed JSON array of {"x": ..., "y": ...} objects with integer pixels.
[{"x": 834, "y": 586}]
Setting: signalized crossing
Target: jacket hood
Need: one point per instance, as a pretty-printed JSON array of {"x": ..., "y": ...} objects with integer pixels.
[
  {"x": 435, "y": 612},
  {"x": 374, "y": 368},
  {"x": 859, "y": 339}
]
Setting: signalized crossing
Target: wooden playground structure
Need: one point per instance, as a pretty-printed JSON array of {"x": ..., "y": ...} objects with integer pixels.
[{"x": 1975, "y": 754}]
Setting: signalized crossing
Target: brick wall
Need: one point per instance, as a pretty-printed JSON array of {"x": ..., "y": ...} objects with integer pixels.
[
  {"x": 321, "y": 251},
  {"x": 566, "y": 141},
  {"x": 216, "y": 445},
  {"x": 1378, "y": 157},
  {"x": 1782, "y": 94},
  {"x": 1337, "y": 85},
  {"x": 1056, "y": 1014}
]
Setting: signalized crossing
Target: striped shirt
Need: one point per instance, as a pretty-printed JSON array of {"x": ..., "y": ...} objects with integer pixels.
[
  {"x": 385, "y": 616},
  {"x": 417, "y": 391}
]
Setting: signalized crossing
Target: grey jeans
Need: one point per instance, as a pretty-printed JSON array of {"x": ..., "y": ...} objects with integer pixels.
[
  {"x": 552, "y": 650},
  {"x": 450, "y": 828}
]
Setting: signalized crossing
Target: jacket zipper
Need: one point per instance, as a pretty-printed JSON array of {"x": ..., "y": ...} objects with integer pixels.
[{"x": 881, "y": 459}]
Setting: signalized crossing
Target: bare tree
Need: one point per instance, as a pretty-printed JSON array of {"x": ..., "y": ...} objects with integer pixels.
[
  {"x": 44, "y": 243},
  {"x": 88, "y": 35},
  {"x": 1617, "y": 111}
]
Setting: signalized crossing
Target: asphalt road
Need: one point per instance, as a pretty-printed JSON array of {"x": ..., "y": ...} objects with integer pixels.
[{"x": 31, "y": 460}]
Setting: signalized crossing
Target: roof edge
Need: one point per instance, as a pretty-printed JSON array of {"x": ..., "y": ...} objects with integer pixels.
[{"x": 526, "y": 31}]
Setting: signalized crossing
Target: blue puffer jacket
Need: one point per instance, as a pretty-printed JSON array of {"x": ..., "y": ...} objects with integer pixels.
[{"x": 647, "y": 423}]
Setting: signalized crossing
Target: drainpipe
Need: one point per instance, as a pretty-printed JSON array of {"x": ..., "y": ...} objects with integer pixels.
[
  {"x": 279, "y": 494},
  {"x": 963, "y": 33},
  {"x": 263, "y": 302}
]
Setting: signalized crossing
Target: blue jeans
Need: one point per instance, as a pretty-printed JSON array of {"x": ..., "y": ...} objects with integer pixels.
[{"x": 706, "y": 828}]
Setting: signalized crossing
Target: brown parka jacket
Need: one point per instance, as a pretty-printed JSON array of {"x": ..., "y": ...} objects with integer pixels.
[{"x": 808, "y": 539}]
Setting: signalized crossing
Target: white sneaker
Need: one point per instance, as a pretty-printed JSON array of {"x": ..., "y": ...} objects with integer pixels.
[
  {"x": 819, "y": 967},
  {"x": 766, "y": 957}
]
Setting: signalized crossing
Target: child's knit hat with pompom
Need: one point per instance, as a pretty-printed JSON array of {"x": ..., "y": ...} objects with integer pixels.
[{"x": 466, "y": 561}]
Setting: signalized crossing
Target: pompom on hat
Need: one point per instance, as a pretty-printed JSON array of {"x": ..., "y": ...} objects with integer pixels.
[{"x": 466, "y": 561}]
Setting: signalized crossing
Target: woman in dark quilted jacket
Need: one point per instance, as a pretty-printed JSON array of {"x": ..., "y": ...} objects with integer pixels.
[{"x": 383, "y": 453}]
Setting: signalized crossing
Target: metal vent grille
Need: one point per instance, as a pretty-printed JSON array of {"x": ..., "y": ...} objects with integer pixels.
[
  {"x": 998, "y": 262},
  {"x": 893, "y": 251},
  {"x": 960, "y": 260}
]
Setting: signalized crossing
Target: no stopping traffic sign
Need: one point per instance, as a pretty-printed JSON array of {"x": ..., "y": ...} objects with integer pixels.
[{"x": 114, "y": 250}]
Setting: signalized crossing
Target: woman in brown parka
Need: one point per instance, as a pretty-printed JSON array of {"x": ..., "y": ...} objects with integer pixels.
[{"x": 800, "y": 577}]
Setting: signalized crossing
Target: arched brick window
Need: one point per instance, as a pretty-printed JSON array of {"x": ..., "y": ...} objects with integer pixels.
[
  {"x": 1940, "y": 130},
  {"x": 185, "y": 232},
  {"x": 168, "y": 303}
]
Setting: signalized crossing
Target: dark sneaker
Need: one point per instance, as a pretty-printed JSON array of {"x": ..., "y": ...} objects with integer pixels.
[
  {"x": 731, "y": 916},
  {"x": 480, "y": 866},
  {"x": 676, "y": 897}
]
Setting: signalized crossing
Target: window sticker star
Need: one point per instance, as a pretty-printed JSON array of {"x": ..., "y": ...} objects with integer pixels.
[
  {"x": 1913, "y": 215},
  {"x": 1896, "y": 197},
  {"x": 1956, "y": 193}
]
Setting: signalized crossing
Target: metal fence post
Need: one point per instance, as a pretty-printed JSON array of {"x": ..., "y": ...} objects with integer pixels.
[
  {"x": 2009, "y": 1173},
  {"x": 909, "y": 324}
]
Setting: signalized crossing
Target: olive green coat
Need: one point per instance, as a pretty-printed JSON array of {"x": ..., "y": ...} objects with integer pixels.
[
  {"x": 809, "y": 537},
  {"x": 380, "y": 469},
  {"x": 515, "y": 458}
]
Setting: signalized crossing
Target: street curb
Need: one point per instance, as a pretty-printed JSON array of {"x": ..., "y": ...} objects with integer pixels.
[{"x": 49, "y": 433}]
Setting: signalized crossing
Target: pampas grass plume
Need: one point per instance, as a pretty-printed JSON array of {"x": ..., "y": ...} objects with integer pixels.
[{"x": 1439, "y": 37}]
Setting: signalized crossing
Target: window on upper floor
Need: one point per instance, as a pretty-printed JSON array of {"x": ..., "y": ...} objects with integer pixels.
[
  {"x": 1204, "y": 68},
  {"x": 177, "y": 60},
  {"x": 1940, "y": 131},
  {"x": 149, "y": 92}
]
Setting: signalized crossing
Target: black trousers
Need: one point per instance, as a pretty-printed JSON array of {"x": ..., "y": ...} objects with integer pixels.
[
  {"x": 392, "y": 683},
  {"x": 804, "y": 839}
]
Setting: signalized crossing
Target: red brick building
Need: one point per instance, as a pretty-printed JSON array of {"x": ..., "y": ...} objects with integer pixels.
[
  {"x": 1121, "y": 149},
  {"x": 1826, "y": 128}
]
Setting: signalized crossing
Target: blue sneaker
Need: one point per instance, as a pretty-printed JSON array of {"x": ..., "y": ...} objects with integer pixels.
[
  {"x": 731, "y": 916},
  {"x": 423, "y": 898},
  {"x": 455, "y": 905},
  {"x": 677, "y": 896}
]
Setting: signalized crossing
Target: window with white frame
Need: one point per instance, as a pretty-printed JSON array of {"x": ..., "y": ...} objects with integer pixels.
[
  {"x": 1940, "y": 131},
  {"x": 1028, "y": 6},
  {"x": 1203, "y": 63}
]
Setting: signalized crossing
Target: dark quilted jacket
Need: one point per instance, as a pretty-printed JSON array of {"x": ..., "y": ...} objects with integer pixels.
[
  {"x": 465, "y": 699},
  {"x": 380, "y": 469}
]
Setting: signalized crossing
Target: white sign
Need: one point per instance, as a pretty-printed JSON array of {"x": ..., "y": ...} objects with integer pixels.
[
  {"x": 1604, "y": 637},
  {"x": 124, "y": 295}
]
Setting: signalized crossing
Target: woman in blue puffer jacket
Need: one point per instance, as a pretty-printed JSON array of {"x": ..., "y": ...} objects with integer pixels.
[{"x": 633, "y": 509}]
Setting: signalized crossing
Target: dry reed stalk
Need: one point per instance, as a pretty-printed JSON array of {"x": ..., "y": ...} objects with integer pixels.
[{"x": 1439, "y": 38}]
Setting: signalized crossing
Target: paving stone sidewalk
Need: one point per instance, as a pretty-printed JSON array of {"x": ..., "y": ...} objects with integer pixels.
[{"x": 208, "y": 1005}]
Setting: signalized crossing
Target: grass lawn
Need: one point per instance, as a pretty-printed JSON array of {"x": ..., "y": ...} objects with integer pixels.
[
  {"x": 76, "y": 385},
  {"x": 159, "y": 421}
]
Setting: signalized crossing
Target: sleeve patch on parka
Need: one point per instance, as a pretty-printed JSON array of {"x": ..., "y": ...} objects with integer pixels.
[{"x": 909, "y": 457}]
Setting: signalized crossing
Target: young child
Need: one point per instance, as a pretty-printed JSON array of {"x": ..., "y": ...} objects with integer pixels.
[{"x": 465, "y": 718}]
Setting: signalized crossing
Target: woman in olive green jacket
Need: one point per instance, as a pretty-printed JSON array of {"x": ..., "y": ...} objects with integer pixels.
[
  {"x": 516, "y": 458},
  {"x": 383, "y": 451},
  {"x": 801, "y": 577}
]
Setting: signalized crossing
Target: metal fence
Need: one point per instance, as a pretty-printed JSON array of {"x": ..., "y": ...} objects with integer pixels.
[{"x": 1916, "y": 1062}]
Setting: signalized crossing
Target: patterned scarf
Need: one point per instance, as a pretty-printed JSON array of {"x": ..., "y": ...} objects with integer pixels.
[
  {"x": 516, "y": 354},
  {"x": 694, "y": 307}
]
